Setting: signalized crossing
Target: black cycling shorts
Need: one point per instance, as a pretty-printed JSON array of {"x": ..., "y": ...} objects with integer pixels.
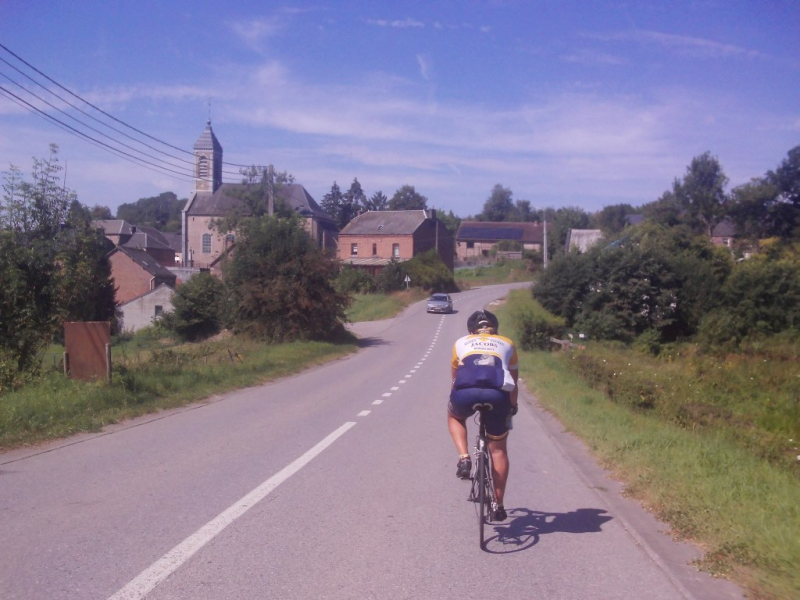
[{"x": 464, "y": 402}]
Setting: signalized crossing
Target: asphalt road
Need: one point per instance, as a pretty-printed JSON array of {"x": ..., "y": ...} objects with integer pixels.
[{"x": 338, "y": 483}]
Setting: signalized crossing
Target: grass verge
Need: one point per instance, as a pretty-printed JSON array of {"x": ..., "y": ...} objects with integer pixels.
[
  {"x": 509, "y": 271},
  {"x": 56, "y": 407},
  {"x": 741, "y": 508},
  {"x": 375, "y": 307}
]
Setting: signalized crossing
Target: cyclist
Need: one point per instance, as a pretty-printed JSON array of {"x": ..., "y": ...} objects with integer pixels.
[{"x": 484, "y": 373}]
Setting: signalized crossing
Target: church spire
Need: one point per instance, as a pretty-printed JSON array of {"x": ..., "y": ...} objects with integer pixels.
[{"x": 207, "y": 161}]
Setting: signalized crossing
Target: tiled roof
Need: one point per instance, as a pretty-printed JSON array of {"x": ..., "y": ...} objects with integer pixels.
[
  {"x": 725, "y": 228},
  {"x": 491, "y": 231},
  {"x": 144, "y": 260},
  {"x": 227, "y": 199},
  {"x": 385, "y": 222},
  {"x": 147, "y": 237},
  {"x": 114, "y": 226}
]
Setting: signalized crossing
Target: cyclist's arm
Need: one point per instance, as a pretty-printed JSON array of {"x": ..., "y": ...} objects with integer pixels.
[{"x": 453, "y": 375}]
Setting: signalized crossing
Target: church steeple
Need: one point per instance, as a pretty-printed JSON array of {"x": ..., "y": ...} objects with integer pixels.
[{"x": 207, "y": 161}]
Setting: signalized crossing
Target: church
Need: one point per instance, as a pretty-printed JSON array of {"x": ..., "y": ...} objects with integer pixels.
[{"x": 202, "y": 246}]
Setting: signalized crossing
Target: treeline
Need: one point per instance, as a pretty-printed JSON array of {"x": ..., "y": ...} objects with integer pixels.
[
  {"x": 663, "y": 280},
  {"x": 162, "y": 212}
]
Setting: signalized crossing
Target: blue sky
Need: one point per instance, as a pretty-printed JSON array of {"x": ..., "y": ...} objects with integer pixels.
[{"x": 566, "y": 103}]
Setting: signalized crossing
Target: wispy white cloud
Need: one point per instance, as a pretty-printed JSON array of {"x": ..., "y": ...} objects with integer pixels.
[
  {"x": 398, "y": 23},
  {"x": 424, "y": 66},
  {"x": 592, "y": 58},
  {"x": 255, "y": 31},
  {"x": 682, "y": 44}
]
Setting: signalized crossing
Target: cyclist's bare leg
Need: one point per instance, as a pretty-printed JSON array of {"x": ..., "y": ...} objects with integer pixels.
[
  {"x": 458, "y": 431},
  {"x": 498, "y": 449}
]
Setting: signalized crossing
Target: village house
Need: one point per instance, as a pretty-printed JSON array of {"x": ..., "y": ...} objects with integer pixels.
[
  {"x": 140, "y": 311},
  {"x": 477, "y": 241},
  {"x": 135, "y": 237},
  {"x": 211, "y": 199},
  {"x": 135, "y": 272},
  {"x": 375, "y": 238}
]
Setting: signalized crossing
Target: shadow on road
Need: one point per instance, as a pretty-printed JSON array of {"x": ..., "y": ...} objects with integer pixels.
[
  {"x": 525, "y": 526},
  {"x": 369, "y": 342}
]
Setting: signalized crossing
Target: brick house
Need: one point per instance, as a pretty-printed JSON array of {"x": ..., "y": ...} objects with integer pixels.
[
  {"x": 724, "y": 233},
  {"x": 135, "y": 272},
  {"x": 211, "y": 199},
  {"x": 476, "y": 240},
  {"x": 373, "y": 239}
]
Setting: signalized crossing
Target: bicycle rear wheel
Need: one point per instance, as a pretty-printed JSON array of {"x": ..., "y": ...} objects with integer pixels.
[{"x": 480, "y": 474}]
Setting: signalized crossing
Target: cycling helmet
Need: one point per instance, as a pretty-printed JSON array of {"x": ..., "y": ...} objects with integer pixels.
[{"x": 480, "y": 319}]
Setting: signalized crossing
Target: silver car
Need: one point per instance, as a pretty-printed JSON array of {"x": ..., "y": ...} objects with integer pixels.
[{"x": 440, "y": 303}]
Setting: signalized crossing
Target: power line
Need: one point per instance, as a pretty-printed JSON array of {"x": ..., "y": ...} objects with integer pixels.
[
  {"x": 110, "y": 116},
  {"x": 80, "y": 134}
]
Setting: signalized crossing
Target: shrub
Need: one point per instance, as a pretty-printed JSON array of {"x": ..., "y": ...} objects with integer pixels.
[
  {"x": 197, "y": 308},
  {"x": 428, "y": 272},
  {"x": 535, "y": 332},
  {"x": 354, "y": 281}
]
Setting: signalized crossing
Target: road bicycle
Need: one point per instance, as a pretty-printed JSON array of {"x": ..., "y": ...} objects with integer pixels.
[{"x": 482, "y": 490}]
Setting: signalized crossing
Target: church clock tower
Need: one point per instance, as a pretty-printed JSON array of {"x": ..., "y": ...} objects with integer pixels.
[{"x": 207, "y": 161}]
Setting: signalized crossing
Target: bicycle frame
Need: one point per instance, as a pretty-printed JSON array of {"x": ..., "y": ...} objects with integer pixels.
[{"x": 482, "y": 489}]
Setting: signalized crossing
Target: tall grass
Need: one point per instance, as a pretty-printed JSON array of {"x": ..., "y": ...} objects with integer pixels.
[
  {"x": 737, "y": 502},
  {"x": 149, "y": 381}
]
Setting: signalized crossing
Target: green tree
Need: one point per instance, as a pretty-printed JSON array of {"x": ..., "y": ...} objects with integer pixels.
[
  {"x": 786, "y": 178},
  {"x": 701, "y": 193},
  {"x": 760, "y": 298},
  {"x": 498, "y": 206},
  {"x": 54, "y": 266},
  {"x": 353, "y": 201},
  {"x": 407, "y": 198},
  {"x": 523, "y": 212},
  {"x": 333, "y": 203},
  {"x": 612, "y": 219},
  {"x": 378, "y": 201},
  {"x": 198, "y": 308},
  {"x": 100, "y": 213},
  {"x": 281, "y": 285},
  {"x": 162, "y": 212},
  {"x": 450, "y": 221},
  {"x": 752, "y": 209}
]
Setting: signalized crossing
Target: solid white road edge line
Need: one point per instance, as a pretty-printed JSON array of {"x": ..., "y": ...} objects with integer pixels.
[{"x": 148, "y": 579}]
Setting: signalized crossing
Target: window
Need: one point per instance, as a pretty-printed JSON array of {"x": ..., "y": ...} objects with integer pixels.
[
  {"x": 470, "y": 244},
  {"x": 159, "y": 309},
  {"x": 230, "y": 239},
  {"x": 202, "y": 167},
  {"x": 374, "y": 249},
  {"x": 395, "y": 250},
  {"x": 353, "y": 249},
  {"x": 206, "y": 243}
]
